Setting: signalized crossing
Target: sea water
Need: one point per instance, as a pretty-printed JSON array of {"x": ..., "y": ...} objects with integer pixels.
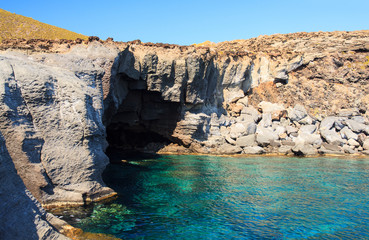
[{"x": 205, "y": 197}]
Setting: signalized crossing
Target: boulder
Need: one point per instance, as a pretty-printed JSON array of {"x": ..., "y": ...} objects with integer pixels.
[
  {"x": 284, "y": 149},
  {"x": 270, "y": 107},
  {"x": 304, "y": 150},
  {"x": 253, "y": 150},
  {"x": 361, "y": 138},
  {"x": 229, "y": 149},
  {"x": 246, "y": 141},
  {"x": 309, "y": 129},
  {"x": 297, "y": 113},
  {"x": 306, "y": 120},
  {"x": 291, "y": 129},
  {"x": 366, "y": 144},
  {"x": 346, "y": 133},
  {"x": 265, "y": 135},
  {"x": 352, "y": 142},
  {"x": 237, "y": 130},
  {"x": 357, "y": 127},
  {"x": 266, "y": 120},
  {"x": 327, "y": 123},
  {"x": 250, "y": 113},
  {"x": 307, "y": 138},
  {"x": 331, "y": 136},
  {"x": 349, "y": 112},
  {"x": 348, "y": 149},
  {"x": 331, "y": 147}
]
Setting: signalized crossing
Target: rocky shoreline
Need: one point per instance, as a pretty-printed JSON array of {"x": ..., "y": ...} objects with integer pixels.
[{"x": 62, "y": 103}]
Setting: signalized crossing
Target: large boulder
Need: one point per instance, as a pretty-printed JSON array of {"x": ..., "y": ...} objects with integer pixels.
[
  {"x": 357, "y": 127},
  {"x": 246, "y": 141},
  {"x": 253, "y": 150},
  {"x": 346, "y": 133},
  {"x": 297, "y": 113},
  {"x": 264, "y": 136},
  {"x": 331, "y": 136},
  {"x": 304, "y": 150}
]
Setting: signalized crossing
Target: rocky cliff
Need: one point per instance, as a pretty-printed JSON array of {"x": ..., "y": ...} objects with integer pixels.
[{"x": 64, "y": 102}]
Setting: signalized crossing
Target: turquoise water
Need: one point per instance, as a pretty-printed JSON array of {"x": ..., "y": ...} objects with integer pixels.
[{"x": 202, "y": 197}]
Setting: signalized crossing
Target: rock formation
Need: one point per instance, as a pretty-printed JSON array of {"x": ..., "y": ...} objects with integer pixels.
[{"x": 63, "y": 104}]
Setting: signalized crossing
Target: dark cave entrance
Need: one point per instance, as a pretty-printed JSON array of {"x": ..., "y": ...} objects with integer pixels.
[{"x": 143, "y": 123}]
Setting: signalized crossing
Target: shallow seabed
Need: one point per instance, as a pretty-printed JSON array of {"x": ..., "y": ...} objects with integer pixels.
[{"x": 203, "y": 197}]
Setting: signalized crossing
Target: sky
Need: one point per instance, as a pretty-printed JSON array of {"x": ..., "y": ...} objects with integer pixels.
[{"x": 194, "y": 21}]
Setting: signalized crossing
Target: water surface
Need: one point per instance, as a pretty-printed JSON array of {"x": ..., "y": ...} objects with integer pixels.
[{"x": 202, "y": 197}]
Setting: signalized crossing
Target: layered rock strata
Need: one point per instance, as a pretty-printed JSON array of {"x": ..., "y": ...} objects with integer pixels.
[{"x": 62, "y": 106}]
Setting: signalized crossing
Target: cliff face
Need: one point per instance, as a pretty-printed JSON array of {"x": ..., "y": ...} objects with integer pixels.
[{"x": 63, "y": 104}]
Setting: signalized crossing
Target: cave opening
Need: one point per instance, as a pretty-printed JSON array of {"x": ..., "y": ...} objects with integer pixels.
[{"x": 143, "y": 123}]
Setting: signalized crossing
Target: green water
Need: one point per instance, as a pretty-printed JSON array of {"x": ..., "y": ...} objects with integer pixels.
[{"x": 201, "y": 197}]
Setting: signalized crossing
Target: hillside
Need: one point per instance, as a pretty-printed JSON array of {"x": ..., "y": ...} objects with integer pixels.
[{"x": 17, "y": 26}]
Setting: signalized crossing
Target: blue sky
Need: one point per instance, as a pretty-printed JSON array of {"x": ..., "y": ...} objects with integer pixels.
[{"x": 187, "y": 22}]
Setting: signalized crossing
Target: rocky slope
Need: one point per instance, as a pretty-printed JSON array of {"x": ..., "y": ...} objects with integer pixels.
[{"x": 63, "y": 102}]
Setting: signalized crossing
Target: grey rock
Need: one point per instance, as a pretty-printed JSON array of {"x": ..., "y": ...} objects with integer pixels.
[
  {"x": 297, "y": 113},
  {"x": 348, "y": 149},
  {"x": 327, "y": 123},
  {"x": 230, "y": 140},
  {"x": 304, "y": 150},
  {"x": 237, "y": 130},
  {"x": 366, "y": 144},
  {"x": 285, "y": 149},
  {"x": 288, "y": 143},
  {"x": 268, "y": 107},
  {"x": 352, "y": 142},
  {"x": 251, "y": 128},
  {"x": 307, "y": 120},
  {"x": 361, "y": 138},
  {"x": 253, "y": 150},
  {"x": 246, "y": 141},
  {"x": 346, "y": 133},
  {"x": 266, "y": 120},
  {"x": 310, "y": 129},
  {"x": 251, "y": 113},
  {"x": 331, "y": 136},
  {"x": 265, "y": 135},
  {"x": 331, "y": 147},
  {"x": 307, "y": 138},
  {"x": 291, "y": 129},
  {"x": 359, "y": 119},
  {"x": 229, "y": 149},
  {"x": 348, "y": 112},
  {"x": 357, "y": 127}
]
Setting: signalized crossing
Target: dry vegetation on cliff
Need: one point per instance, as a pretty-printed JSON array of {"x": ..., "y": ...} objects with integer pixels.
[{"x": 14, "y": 26}]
